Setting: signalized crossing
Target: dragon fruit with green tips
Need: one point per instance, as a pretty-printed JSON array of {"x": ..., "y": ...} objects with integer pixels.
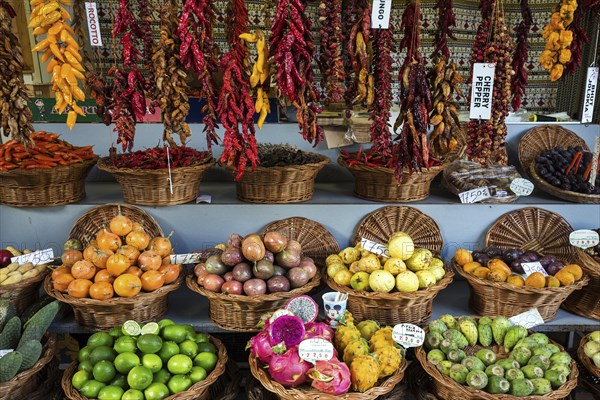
[
  {"x": 288, "y": 368},
  {"x": 332, "y": 376}
]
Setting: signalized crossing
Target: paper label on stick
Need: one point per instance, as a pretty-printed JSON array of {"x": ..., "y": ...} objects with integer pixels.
[
  {"x": 528, "y": 319},
  {"x": 192, "y": 258},
  {"x": 521, "y": 187},
  {"x": 204, "y": 198},
  {"x": 584, "y": 238},
  {"x": 408, "y": 335},
  {"x": 91, "y": 13},
  {"x": 531, "y": 267},
  {"x": 380, "y": 14},
  {"x": 315, "y": 349},
  {"x": 36, "y": 258},
  {"x": 594, "y": 171},
  {"x": 482, "y": 90},
  {"x": 475, "y": 195},
  {"x": 5, "y": 352},
  {"x": 375, "y": 248},
  {"x": 589, "y": 98}
]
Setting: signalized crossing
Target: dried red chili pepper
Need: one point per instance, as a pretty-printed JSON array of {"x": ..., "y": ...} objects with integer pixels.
[
  {"x": 446, "y": 20},
  {"x": 579, "y": 39},
  {"x": 519, "y": 79},
  {"x": 330, "y": 57}
]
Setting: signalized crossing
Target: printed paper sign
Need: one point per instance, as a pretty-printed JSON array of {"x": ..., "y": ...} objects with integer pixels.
[
  {"x": 482, "y": 90},
  {"x": 192, "y": 258},
  {"x": 408, "y": 335},
  {"x": 36, "y": 258},
  {"x": 475, "y": 195},
  {"x": 315, "y": 349},
  {"x": 521, "y": 187},
  {"x": 589, "y": 98},
  {"x": 584, "y": 238},
  {"x": 279, "y": 313},
  {"x": 93, "y": 24},
  {"x": 532, "y": 267},
  {"x": 380, "y": 14},
  {"x": 375, "y": 248},
  {"x": 5, "y": 352},
  {"x": 528, "y": 319},
  {"x": 594, "y": 171}
]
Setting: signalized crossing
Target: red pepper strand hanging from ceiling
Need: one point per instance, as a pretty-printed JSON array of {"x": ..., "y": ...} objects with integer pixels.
[
  {"x": 519, "y": 79},
  {"x": 351, "y": 12},
  {"x": 236, "y": 105},
  {"x": 293, "y": 50},
  {"x": 330, "y": 58},
  {"x": 198, "y": 53},
  {"x": 446, "y": 20},
  {"x": 579, "y": 39}
]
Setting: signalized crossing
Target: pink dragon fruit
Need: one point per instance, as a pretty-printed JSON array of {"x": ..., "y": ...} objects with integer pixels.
[
  {"x": 332, "y": 377},
  {"x": 319, "y": 330},
  {"x": 288, "y": 329},
  {"x": 260, "y": 346},
  {"x": 288, "y": 368}
]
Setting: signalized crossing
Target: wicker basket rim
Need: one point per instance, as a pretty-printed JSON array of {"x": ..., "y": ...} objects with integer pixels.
[
  {"x": 431, "y": 170},
  {"x": 324, "y": 160},
  {"x": 59, "y": 168},
  {"x": 590, "y": 264},
  {"x": 204, "y": 163},
  {"x": 548, "y": 188},
  {"x": 568, "y": 136},
  {"x": 584, "y": 359}
]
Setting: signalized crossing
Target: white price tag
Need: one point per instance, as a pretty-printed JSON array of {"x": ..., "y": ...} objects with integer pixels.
[
  {"x": 475, "y": 195},
  {"x": 408, "y": 335},
  {"x": 204, "y": 198},
  {"x": 482, "y": 90},
  {"x": 589, "y": 98},
  {"x": 279, "y": 313},
  {"x": 531, "y": 267},
  {"x": 380, "y": 14},
  {"x": 315, "y": 349},
  {"x": 36, "y": 258},
  {"x": 192, "y": 258},
  {"x": 528, "y": 319},
  {"x": 5, "y": 352},
  {"x": 584, "y": 238},
  {"x": 375, "y": 248},
  {"x": 93, "y": 24},
  {"x": 594, "y": 171},
  {"x": 521, "y": 187}
]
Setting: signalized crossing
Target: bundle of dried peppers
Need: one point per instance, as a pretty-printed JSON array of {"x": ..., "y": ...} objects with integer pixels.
[
  {"x": 330, "y": 57},
  {"x": 519, "y": 79}
]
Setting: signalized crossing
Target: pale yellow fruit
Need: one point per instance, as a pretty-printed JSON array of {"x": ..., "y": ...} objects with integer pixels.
[
  {"x": 401, "y": 246},
  {"x": 354, "y": 267},
  {"x": 369, "y": 263},
  {"x": 349, "y": 255},
  {"x": 382, "y": 281},
  {"x": 360, "y": 281},
  {"x": 420, "y": 260},
  {"x": 436, "y": 262},
  {"x": 333, "y": 259},
  {"x": 437, "y": 271},
  {"x": 332, "y": 269},
  {"x": 394, "y": 266},
  {"x": 426, "y": 278},
  {"x": 407, "y": 281},
  {"x": 343, "y": 277}
]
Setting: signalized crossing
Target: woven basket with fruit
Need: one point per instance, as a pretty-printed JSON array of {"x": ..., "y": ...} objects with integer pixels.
[{"x": 589, "y": 353}]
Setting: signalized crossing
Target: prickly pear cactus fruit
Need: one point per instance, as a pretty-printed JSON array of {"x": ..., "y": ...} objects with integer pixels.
[
  {"x": 389, "y": 358},
  {"x": 361, "y": 373},
  {"x": 367, "y": 328},
  {"x": 344, "y": 334},
  {"x": 382, "y": 338},
  {"x": 355, "y": 348}
]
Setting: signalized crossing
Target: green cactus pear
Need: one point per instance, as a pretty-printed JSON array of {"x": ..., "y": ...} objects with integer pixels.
[
  {"x": 513, "y": 374},
  {"x": 541, "y": 386},
  {"x": 469, "y": 329},
  {"x": 457, "y": 337},
  {"x": 563, "y": 369},
  {"x": 473, "y": 363},
  {"x": 444, "y": 367},
  {"x": 497, "y": 385},
  {"x": 541, "y": 361},
  {"x": 500, "y": 326},
  {"x": 448, "y": 345},
  {"x": 477, "y": 379},
  {"x": 542, "y": 350},
  {"x": 526, "y": 342},
  {"x": 521, "y": 387},
  {"x": 539, "y": 338},
  {"x": 449, "y": 320},
  {"x": 556, "y": 378},
  {"x": 484, "y": 321},
  {"x": 494, "y": 370},
  {"x": 553, "y": 348},
  {"x": 433, "y": 340},
  {"x": 459, "y": 373},
  {"x": 532, "y": 371},
  {"x": 561, "y": 358},
  {"x": 437, "y": 326},
  {"x": 487, "y": 356},
  {"x": 521, "y": 354},
  {"x": 508, "y": 363},
  {"x": 485, "y": 334},
  {"x": 435, "y": 356},
  {"x": 514, "y": 334},
  {"x": 456, "y": 356}
]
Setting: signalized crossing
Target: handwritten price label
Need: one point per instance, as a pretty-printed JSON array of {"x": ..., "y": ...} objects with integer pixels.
[
  {"x": 312, "y": 350},
  {"x": 192, "y": 258},
  {"x": 408, "y": 335},
  {"x": 521, "y": 187},
  {"x": 532, "y": 267},
  {"x": 528, "y": 319},
  {"x": 36, "y": 258},
  {"x": 375, "y": 248},
  {"x": 584, "y": 238},
  {"x": 475, "y": 195}
]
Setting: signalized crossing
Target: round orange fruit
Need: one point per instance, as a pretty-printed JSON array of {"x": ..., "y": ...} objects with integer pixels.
[
  {"x": 463, "y": 256},
  {"x": 101, "y": 291},
  {"x": 152, "y": 280},
  {"x": 536, "y": 280},
  {"x": 127, "y": 285}
]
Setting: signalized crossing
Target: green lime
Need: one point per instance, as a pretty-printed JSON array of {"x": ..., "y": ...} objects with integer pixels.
[
  {"x": 104, "y": 371},
  {"x": 152, "y": 362},
  {"x": 202, "y": 338},
  {"x": 156, "y": 391},
  {"x": 110, "y": 393},
  {"x": 91, "y": 388},
  {"x": 79, "y": 378},
  {"x": 207, "y": 347},
  {"x": 206, "y": 360},
  {"x": 165, "y": 322},
  {"x": 179, "y": 383},
  {"x": 168, "y": 350},
  {"x": 191, "y": 332},
  {"x": 125, "y": 344},
  {"x": 197, "y": 374},
  {"x": 175, "y": 333},
  {"x": 116, "y": 332},
  {"x": 85, "y": 366},
  {"x": 180, "y": 364},
  {"x": 133, "y": 394},
  {"x": 162, "y": 376},
  {"x": 189, "y": 348},
  {"x": 121, "y": 381},
  {"x": 139, "y": 378},
  {"x": 131, "y": 328},
  {"x": 84, "y": 354},
  {"x": 124, "y": 362},
  {"x": 100, "y": 339},
  {"x": 151, "y": 328},
  {"x": 102, "y": 353},
  {"x": 149, "y": 344}
]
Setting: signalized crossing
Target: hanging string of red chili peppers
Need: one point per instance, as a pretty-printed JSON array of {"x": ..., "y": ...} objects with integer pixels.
[
  {"x": 198, "y": 53},
  {"x": 330, "y": 58},
  {"x": 519, "y": 79},
  {"x": 352, "y": 12},
  {"x": 236, "y": 105},
  {"x": 580, "y": 38},
  {"x": 446, "y": 20}
]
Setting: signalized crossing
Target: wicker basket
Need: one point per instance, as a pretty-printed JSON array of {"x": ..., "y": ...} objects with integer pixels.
[
  {"x": 380, "y": 184},
  {"x": 586, "y": 302},
  {"x": 241, "y": 313},
  {"x": 446, "y": 388},
  {"x": 308, "y": 393},
  {"x": 44, "y": 187},
  {"x": 20, "y": 385},
  {"x": 198, "y": 391},
  {"x": 396, "y": 307},
  {"x": 544, "y": 138},
  {"x": 289, "y": 184},
  {"x": 227, "y": 387},
  {"x": 585, "y": 360},
  {"x": 528, "y": 229},
  {"x": 24, "y": 293},
  {"x": 152, "y": 188}
]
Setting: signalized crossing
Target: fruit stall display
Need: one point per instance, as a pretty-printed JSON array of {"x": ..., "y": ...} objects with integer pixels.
[
  {"x": 157, "y": 360},
  {"x": 365, "y": 362},
  {"x": 490, "y": 358},
  {"x": 255, "y": 274},
  {"x": 401, "y": 287},
  {"x": 589, "y": 352},
  {"x": 122, "y": 271}
]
